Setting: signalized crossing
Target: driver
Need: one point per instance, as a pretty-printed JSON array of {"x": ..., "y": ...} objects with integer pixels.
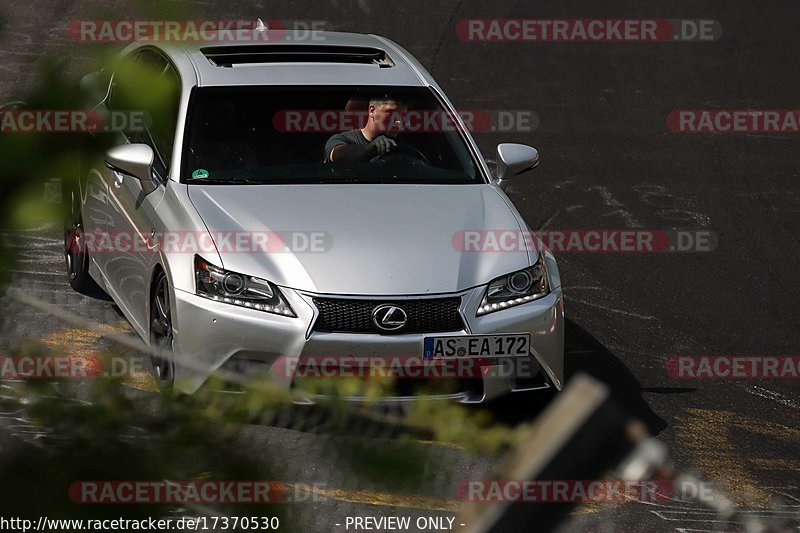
[{"x": 373, "y": 140}]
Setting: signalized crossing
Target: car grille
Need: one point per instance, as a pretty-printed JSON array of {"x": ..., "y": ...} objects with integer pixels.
[{"x": 431, "y": 315}]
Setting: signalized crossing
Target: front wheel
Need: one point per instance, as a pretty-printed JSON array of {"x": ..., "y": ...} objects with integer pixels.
[{"x": 161, "y": 334}]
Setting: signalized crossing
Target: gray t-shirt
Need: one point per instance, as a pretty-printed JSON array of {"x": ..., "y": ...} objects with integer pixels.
[{"x": 354, "y": 137}]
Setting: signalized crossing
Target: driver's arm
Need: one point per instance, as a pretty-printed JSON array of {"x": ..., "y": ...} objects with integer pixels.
[{"x": 349, "y": 153}]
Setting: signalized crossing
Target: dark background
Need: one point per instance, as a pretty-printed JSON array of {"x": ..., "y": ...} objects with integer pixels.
[{"x": 607, "y": 161}]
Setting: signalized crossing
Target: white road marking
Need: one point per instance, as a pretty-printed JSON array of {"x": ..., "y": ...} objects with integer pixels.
[
  {"x": 782, "y": 491},
  {"x": 774, "y": 396},
  {"x": 630, "y": 220},
  {"x": 570, "y": 298},
  {"x": 549, "y": 220},
  {"x": 606, "y": 195},
  {"x": 610, "y": 201},
  {"x": 611, "y": 309}
]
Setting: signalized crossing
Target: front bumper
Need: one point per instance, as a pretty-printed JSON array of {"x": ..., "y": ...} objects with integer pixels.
[{"x": 217, "y": 335}]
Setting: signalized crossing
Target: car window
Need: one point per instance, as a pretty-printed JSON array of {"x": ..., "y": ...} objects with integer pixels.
[
  {"x": 148, "y": 83},
  {"x": 118, "y": 97},
  {"x": 152, "y": 60},
  {"x": 165, "y": 118},
  {"x": 283, "y": 135}
]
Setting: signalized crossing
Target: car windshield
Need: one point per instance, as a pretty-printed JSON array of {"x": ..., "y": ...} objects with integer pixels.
[{"x": 279, "y": 134}]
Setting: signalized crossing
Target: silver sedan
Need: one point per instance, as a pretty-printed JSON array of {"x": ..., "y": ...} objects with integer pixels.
[{"x": 294, "y": 203}]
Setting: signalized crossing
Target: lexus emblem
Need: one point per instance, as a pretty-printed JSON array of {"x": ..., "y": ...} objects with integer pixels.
[{"x": 389, "y": 317}]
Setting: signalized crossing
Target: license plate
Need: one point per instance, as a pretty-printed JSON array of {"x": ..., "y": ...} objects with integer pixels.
[{"x": 477, "y": 346}]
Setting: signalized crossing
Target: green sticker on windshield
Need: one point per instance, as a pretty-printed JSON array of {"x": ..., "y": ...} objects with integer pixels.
[{"x": 200, "y": 173}]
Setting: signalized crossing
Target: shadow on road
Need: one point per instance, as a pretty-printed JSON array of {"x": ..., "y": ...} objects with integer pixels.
[
  {"x": 96, "y": 292},
  {"x": 584, "y": 354}
]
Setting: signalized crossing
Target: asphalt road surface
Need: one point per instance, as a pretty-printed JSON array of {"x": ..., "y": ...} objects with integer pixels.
[{"x": 608, "y": 160}]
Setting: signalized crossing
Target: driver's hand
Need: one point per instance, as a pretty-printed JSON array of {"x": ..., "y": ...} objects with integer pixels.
[{"x": 383, "y": 145}]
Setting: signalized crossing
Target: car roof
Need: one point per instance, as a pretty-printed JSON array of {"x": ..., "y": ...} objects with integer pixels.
[{"x": 404, "y": 69}]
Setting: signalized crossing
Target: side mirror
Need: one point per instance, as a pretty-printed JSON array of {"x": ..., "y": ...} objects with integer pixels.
[
  {"x": 513, "y": 159},
  {"x": 132, "y": 159}
]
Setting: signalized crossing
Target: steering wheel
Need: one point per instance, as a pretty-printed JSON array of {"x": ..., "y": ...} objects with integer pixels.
[{"x": 404, "y": 151}]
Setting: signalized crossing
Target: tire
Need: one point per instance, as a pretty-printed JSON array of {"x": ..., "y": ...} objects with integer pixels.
[
  {"x": 76, "y": 255},
  {"x": 161, "y": 334}
]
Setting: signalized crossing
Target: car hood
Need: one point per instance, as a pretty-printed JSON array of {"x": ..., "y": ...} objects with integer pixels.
[{"x": 374, "y": 239}]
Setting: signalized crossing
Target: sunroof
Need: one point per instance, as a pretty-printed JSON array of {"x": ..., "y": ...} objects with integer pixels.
[{"x": 228, "y": 56}]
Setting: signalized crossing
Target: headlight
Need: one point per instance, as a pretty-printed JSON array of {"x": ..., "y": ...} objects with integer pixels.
[
  {"x": 516, "y": 288},
  {"x": 238, "y": 289}
]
